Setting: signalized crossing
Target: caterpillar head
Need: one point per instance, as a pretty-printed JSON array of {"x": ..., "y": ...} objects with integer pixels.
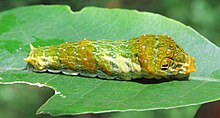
[
  {"x": 171, "y": 67},
  {"x": 180, "y": 65},
  {"x": 160, "y": 56}
]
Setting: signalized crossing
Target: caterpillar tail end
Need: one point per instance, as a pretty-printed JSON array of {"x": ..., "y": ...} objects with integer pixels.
[
  {"x": 29, "y": 58},
  {"x": 32, "y": 47}
]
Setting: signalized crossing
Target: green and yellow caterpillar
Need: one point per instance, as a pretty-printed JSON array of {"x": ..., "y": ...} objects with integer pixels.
[{"x": 148, "y": 56}]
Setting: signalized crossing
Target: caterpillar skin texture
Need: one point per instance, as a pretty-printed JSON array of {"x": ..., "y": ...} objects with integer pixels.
[{"x": 148, "y": 56}]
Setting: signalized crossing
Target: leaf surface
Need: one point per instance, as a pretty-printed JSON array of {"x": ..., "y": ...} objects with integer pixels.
[{"x": 52, "y": 25}]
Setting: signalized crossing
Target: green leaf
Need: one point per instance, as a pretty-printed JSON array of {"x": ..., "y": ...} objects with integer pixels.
[{"x": 51, "y": 25}]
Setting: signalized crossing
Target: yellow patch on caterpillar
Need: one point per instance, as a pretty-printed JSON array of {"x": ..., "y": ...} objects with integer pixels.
[
  {"x": 124, "y": 65},
  {"x": 32, "y": 47},
  {"x": 40, "y": 63},
  {"x": 29, "y": 58},
  {"x": 49, "y": 60},
  {"x": 135, "y": 67}
]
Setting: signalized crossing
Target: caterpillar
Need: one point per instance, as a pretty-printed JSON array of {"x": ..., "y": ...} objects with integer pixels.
[{"x": 147, "y": 56}]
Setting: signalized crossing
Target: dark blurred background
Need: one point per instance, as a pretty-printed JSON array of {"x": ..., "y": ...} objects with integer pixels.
[
  {"x": 202, "y": 15},
  {"x": 22, "y": 101}
]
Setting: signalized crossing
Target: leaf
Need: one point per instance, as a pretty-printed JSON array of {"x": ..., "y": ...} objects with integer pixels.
[{"x": 52, "y": 25}]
